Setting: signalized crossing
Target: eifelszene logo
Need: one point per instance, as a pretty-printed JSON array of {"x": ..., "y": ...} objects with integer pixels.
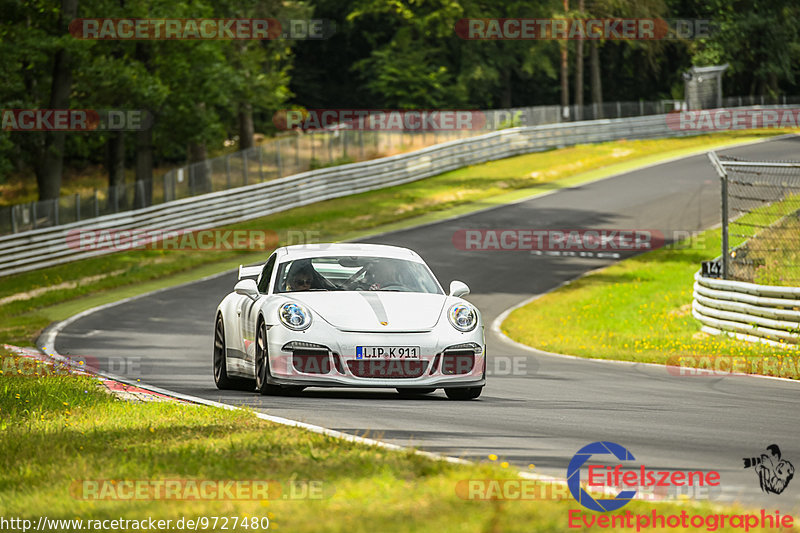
[
  {"x": 774, "y": 473},
  {"x": 606, "y": 478}
]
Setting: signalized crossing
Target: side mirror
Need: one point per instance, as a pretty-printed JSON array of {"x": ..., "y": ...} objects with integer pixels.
[
  {"x": 458, "y": 288},
  {"x": 247, "y": 287}
]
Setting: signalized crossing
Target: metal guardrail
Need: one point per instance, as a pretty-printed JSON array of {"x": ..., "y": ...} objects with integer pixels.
[
  {"x": 752, "y": 312},
  {"x": 47, "y": 247}
]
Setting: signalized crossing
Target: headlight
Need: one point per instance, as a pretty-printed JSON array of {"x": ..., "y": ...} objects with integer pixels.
[
  {"x": 463, "y": 317},
  {"x": 294, "y": 316}
]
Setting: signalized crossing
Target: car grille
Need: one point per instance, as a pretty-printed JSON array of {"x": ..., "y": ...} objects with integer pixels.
[
  {"x": 311, "y": 363},
  {"x": 387, "y": 369},
  {"x": 458, "y": 360},
  {"x": 309, "y": 358}
]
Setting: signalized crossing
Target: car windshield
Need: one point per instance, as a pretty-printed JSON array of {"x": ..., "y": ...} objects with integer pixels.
[{"x": 355, "y": 273}]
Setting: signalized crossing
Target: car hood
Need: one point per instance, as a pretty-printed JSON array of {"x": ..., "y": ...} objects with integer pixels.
[{"x": 369, "y": 310}]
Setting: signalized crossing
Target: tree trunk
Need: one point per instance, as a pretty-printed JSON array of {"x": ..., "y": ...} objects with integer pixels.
[
  {"x": 565, "y": 73},
  {"x": 505, "y": 101},
  {"x": 579, "y": 72},
  {"x": 597, "y": 88},
  {"x": 199, "y": 171},
  {"x": 50, "y": 163},
  {"x": 144, "y": 168},
  {"x": 115, "y": 163},
  {"x": 246, "y": 131}
]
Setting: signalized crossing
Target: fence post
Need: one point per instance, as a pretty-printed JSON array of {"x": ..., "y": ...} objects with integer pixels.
[
  {"x": 165, "y": 198},
  {"x": 77, "y": 207},
  {"x": 260, "y": 162},
  {"x": 55, "y": 210},
  {"x": 140, "y": 191},
  {"x": 619, "y": 109},
  {"x": 13, "y": 218},
  {"x": 641, "y": 108},
  {"x": 311, "y": 138},
  {"x": 96, "y": 204},
  {"x": 228, "y": 171},
  {"x": 723, "y": 176},
  {"x": 278, "y": 159},
  {"x": 33, "y": 212},
  {"x": 244, "y": 166}
]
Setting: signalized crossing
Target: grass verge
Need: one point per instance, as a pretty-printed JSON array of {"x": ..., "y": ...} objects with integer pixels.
[
  {"x": 640, "y": 310},
  {"x": 57, "y": 432},
  {"x": 30, "y": 301}
]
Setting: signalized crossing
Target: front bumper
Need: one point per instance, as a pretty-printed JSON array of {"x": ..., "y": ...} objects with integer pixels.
[{"x": 326, "y": 357}]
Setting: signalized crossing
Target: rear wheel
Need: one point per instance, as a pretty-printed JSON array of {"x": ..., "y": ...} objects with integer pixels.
[
  {"x": 221, "y": 378},
  {"x": 466, "y": 393},
  {"x": 413, "y": 392},
  {"x": 262, "y": 364}
]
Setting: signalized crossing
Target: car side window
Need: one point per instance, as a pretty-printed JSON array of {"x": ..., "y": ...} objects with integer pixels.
[{"x": 266, "y": 274}]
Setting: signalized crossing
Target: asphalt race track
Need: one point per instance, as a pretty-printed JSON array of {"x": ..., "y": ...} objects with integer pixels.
[{"x": 555, "y": 405}]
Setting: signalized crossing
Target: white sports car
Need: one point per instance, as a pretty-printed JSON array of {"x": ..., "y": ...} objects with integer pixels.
[{"x": 348, "y": 315}]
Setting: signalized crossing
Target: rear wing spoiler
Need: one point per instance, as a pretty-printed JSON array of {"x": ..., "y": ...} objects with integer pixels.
[{"x": 250, "y": 271}]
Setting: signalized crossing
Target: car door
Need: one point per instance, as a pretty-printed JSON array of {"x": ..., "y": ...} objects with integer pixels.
[{"x": 247, "y": 312}]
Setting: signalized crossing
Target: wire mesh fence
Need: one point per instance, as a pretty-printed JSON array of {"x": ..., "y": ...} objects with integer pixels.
[
  {"x": 300, "y": 152},
  {"x": 761, "y": 220}
]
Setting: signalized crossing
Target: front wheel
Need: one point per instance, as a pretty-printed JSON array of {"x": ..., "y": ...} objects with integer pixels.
[
  {"x": 465, "y": 393},
  {"x": 221, "y": 379},
  {"x": 262, "y": 364}
]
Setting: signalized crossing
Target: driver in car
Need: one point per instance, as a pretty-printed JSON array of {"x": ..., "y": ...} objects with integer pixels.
[{"x": 383, "y": 274}]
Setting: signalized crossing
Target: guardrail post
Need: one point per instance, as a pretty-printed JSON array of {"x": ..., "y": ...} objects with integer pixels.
[
  {"x": 140, "y": 193},
  {"x": 641, "y": 108},
  {"x": 165, "y": 179},
  {"x": 311, "y": 139},
  {"x": 77, "y": 207},
  {"x": 96, "y": 204},
  {"x": 13, "y": 218},
  {"x": 244, "y": 167},
  {"x": 34, "y": 214},
  {"x": 619, "y": 109}
]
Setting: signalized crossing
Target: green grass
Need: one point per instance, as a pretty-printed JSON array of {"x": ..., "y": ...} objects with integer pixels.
[
  {"x": 55, "y": 293},
  {"x": 56, "y": 432},
  {"x": 636, "y": 310}
]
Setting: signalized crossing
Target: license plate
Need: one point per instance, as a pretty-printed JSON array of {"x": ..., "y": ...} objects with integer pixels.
[{"x": 387, "y": 352}]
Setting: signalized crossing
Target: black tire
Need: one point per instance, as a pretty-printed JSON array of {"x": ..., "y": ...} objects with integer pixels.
[
  {"x": 414, "y": 392},
  {"x": 465, "y": 393},
  {"x": 220, "y": 362},
  {"x": 262, "y": 364}
]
